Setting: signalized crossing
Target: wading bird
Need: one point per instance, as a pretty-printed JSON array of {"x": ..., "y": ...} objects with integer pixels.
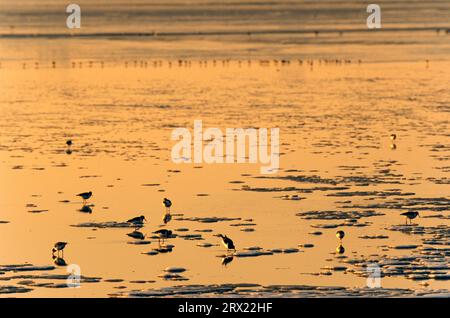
[
  {"x": 227, "y": 242},
  {"x": 137, "y": 221},
  {"x": 340, "y": 235},
  {"x": 167, "y": 217},
  {"x": 163, "y": 234},
  {"x": 85, "y": 196},
  {"x": 410, "y": 215},
  {"x": 167, "y": 203},
  {"x": 59, "y": 246}
]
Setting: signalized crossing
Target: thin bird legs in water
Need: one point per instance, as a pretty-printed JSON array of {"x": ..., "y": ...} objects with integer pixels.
[
  {"x": 163, "y": 234},
  {"x": 85, "y": 196},
  {"x": 59, "y": 246},
  {"x": 410, "y": 215}
]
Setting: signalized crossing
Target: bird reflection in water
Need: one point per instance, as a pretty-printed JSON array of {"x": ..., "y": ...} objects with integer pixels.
[
  {"x": 227, "y": 259},
  {"x": 162, "y": 248},
  {"x": 86, "y": 209},
  {"x": 167, "y": 218},
  {"x": 136, "y": 235},
  {"x": 59, "y": 261},
  {"x": 340, "y": 249}
]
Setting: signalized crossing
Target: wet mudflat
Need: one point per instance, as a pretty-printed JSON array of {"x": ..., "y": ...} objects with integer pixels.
[{"x": 338, "y": 171}]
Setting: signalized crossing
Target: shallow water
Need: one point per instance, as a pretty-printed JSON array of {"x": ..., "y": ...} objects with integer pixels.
[
  {"x": 119, "y": 98},
  {"x": 336, "y": 157}
]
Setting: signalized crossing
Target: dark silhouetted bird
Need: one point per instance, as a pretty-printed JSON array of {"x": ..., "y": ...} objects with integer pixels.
[
  {"x": 227, "y": 242},
  {"x": 137, "y": 221},
  {"x": 85, "y": 196},
  {"x": 340, "y": 234},
  {"x": 410, "y": 215},
  {"x": 59, "y": 246},
  {"x": 163, "y": 234}
]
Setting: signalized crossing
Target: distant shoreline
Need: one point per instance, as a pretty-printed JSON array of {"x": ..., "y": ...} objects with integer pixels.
[{"x": 218, "y": 33}]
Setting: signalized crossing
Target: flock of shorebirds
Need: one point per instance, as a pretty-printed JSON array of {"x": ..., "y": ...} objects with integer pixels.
[
  {"x": 202, "y": 63},
  {"x": 163, "y": 234},
  {"x": 138, "y": 222}
]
